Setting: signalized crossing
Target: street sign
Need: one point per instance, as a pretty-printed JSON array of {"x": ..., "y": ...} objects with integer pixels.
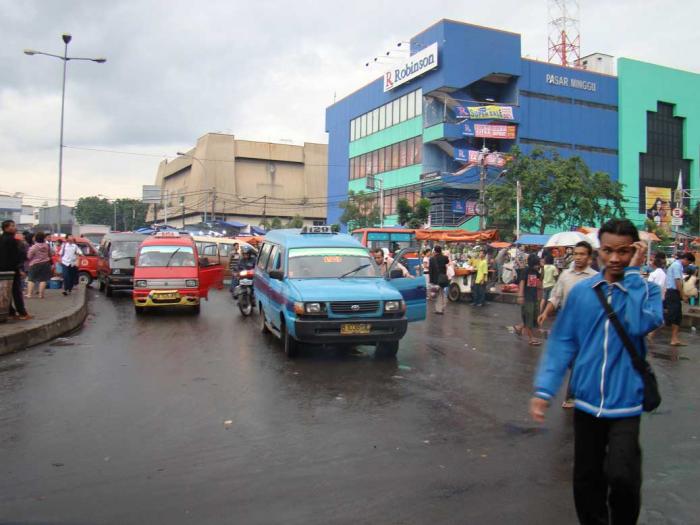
[
  {"x": 676, "y": 221},
  {"x": 677, "y": 213},
  {"x": 151, "y": 194}
]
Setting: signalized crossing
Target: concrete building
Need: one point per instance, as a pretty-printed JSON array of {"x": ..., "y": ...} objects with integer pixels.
[
  {"x": 418, "y": 129},
  {"x": 244, "y": 181},
  {"x": 10, "y": 208}
]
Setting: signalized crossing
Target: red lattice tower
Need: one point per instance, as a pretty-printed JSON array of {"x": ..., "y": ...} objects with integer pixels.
[{"x": 564, "y": 41}]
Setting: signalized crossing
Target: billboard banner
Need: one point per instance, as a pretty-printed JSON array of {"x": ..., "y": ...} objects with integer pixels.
[
  {"x": 490, "y": 131},
  {"x": 462, "y": 155},
  {"x": 658, "y": 205},
  {"x": 458, "y": 207},
  {"x": 417, "y": 65},
  {"x": 471, "y": 156},
  {"x": 484, "y": 112},
  {"x": 467, "y": 207},
  {"x": 467, "y": 129}
]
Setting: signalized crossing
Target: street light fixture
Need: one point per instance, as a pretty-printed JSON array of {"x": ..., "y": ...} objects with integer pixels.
[{"x": 66, "y": 37}]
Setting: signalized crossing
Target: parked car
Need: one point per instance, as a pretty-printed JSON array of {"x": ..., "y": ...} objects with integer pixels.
[{"x": 117, "y": 256}]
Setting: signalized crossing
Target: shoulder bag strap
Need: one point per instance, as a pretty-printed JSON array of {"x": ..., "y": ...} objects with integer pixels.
[{"x": 639, "y": 364}]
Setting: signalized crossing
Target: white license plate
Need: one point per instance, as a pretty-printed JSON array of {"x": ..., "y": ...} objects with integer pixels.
[{"x": 246, "y": 282}]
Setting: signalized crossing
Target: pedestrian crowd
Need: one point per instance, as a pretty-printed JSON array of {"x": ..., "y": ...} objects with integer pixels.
[{"x": 30, "y": 258}]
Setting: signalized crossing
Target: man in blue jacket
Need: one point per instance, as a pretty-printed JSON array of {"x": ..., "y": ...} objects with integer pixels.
[{"x": 607, "y": 388}]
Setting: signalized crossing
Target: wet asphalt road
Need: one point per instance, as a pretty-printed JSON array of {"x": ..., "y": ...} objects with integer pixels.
[{"x": 125, "y": 422}]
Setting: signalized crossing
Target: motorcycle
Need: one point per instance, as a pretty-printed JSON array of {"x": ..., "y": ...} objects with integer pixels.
[{"x": 244, "y": 292}]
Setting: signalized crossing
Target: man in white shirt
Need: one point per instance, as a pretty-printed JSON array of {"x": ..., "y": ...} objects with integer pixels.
[
  {"x": 69, "y": 262},
  {"x": 658, "y": 277}
]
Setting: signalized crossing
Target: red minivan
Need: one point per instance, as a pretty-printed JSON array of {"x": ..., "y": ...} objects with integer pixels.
[{"x": 170, "y": 272}]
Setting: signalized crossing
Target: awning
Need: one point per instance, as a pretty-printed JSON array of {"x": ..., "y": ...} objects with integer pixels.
[
  {"x": 230, "y": 224},
  {"x": 500, "y": 244},
  {"x": 532, "y": 239},
  {"x": 456, "y": 235}
]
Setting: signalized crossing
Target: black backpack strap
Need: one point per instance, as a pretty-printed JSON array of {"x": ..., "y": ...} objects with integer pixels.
[{"x": 639, "y": 364}]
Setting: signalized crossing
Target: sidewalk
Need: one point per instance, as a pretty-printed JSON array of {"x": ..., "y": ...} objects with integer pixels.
[{"x": 53, "y": 316}]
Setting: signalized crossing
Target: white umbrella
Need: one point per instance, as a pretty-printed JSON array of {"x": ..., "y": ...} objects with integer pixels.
[{"x": 571, "y": 239}]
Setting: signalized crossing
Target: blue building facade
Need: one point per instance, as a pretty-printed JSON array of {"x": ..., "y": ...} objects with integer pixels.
[{"x": 413, "y": 139}]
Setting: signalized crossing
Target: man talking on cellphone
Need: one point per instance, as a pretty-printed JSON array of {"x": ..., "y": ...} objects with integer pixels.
[{"x": 607, "y": 388}]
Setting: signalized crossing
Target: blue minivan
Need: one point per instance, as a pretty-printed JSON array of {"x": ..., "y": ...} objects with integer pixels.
[{"x": 316, "y": 286}]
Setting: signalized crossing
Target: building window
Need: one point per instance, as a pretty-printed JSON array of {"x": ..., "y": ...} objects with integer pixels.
[
  {"x": 660, "y": 165},
  {"x": 382, "y": 118},
  {"x": 419, "y": 102},
  {"x": 411, "y": 105},
  {"x": 389, "y": 115},
  {"x": 352, "y": 130},
  {"x": 399, "y": 155},
  {"x": 395, "y": 110},
  {"x": 403, "y": 108}
]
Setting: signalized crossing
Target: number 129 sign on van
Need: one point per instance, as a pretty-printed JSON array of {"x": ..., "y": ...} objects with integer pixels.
[{"x": 325, "y": 288}]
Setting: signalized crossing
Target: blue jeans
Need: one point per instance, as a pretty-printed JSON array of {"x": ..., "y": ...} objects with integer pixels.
[
  {"x": 70, "y": 277},
  {"x": 479, "y": 294}
]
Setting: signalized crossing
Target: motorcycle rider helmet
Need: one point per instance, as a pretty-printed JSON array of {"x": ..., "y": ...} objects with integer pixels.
[{"x": 246, "y": 249}]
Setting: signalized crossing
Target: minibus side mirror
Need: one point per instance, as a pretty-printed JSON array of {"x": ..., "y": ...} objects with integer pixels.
[{"x": 278, "y": 275}]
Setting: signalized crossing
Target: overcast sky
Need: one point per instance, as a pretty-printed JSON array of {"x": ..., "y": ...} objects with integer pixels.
[{"x": 260, "y": 70}]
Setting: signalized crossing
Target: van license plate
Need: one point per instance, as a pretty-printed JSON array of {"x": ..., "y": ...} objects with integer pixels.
[
  {"x": 354, "y": 329},
  {"x": 165, "y": 296}
]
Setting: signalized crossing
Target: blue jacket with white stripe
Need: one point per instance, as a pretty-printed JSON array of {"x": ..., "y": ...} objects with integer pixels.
[{"x": 604, "y": 381}]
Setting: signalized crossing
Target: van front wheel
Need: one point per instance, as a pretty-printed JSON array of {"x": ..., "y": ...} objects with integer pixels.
[{"x": 291, "y": 345}]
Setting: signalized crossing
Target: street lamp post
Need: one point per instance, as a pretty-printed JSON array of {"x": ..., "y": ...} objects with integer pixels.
[{"x": 66, "y": 40}]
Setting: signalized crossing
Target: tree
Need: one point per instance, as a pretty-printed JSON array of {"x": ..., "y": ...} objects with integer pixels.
[
  {"x": 361, "y": 210},
  {"x": 276, "y": 224},
  {"x": 404, "y": 210},
  {"x": 556, "y": 191},
  {"x": 94, "y": 210},
  {"x": 295, "y": 222},
  {"x": 131, "y": 214},
  {"x": 691, "y": 219},
  {"x": 413, "y": 216}
]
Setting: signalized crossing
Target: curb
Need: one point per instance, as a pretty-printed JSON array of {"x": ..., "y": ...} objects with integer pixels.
[{"x": 56, "y": 326}]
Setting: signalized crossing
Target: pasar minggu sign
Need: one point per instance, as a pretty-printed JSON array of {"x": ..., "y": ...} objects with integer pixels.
[
  {"x": 576, "y": 83},
  {"x": 420, "y": 63}
]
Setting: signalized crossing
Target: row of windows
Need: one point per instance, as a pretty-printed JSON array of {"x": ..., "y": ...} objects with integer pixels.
[
  {"x": 391, "y": 197},
  {"x": 390, "y": 114},
  {"x": 566, "y": 145},
  {"x": 568, "y": 100},
  {"x": 664, "y": 132},
  {"x": 399, "y": 155}
]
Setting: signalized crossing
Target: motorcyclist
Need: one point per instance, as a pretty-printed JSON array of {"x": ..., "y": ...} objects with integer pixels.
[{"x": 247, "y": 260}]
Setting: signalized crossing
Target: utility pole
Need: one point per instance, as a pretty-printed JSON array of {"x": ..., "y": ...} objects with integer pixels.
[
  {"x": 381, "y": 201},
  {"x": 518, "y": 196},
  {"x": 182, "y": 205},
  {"x": 165, "y": 208},
  {"x": 213, "y": 204},
  {"x": 264, "y": 219},
  {"x": 482, "y": 188},
  {"x": 115, "y": 215},
  {"x": 206, "y": 204}
]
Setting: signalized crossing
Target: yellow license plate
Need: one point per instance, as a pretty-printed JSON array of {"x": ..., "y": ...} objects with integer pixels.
[
  {"x": 163, "y": 296},
  {"x": 354, "y": 329}
]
